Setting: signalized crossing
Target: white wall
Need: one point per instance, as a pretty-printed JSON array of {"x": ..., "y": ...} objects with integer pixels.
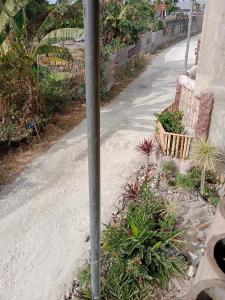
[
  {"x": 211, "y": 67},
  {"x": 186, "y": 4}
]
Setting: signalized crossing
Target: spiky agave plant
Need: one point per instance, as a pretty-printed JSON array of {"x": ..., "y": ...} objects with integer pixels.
[
  {"x": 205, "y": 156},
  {"x": 146, "y": 147}
]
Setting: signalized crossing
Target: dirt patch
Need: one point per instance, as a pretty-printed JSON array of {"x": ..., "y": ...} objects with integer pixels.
[{"x": 17, "y": 158}]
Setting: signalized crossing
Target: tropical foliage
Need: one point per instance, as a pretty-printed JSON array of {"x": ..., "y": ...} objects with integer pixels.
[
  {"x": 19, "y": 63},
  {"x": 125, "y": 20},
  {"x": 31, "y": 36},
  {"x": 140, "y": 251}
]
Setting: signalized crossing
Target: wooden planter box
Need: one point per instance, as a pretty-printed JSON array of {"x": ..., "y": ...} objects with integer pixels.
[{"x": 173, "y": 144}]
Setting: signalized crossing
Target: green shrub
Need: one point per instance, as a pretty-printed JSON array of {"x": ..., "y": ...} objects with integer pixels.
[
  {"x": 195, "y": 173},
  {"x": 171, "y": 121},
  {"x": 186, "y": 181},
  {"x": 169, "y": 169},
  {"x": 59, "y": 93},
  {"x": 211, "y": 196},
  {"x": 140, "y": 251}
]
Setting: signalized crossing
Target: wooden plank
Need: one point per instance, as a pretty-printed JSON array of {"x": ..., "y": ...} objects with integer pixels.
[
  {"x": 185, "y": 147},
  {"x": 168, "y": 145},
  {"x": 165, "y": 141},
  {"x": 181, "y": 147},
  {"x": 188, "y": 147},
  {"x": 173, "y": 144},
  {"x": 177, "y": 146},
  {"x": 182, "y": 135}
]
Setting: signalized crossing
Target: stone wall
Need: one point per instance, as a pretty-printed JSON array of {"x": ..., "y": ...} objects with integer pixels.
[{"x": 197, "y": 110}]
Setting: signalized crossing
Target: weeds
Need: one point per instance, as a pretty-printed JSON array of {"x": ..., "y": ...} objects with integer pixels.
[
  {"x": 169, "y": 169},
  {"x": 186, "y": 181}
]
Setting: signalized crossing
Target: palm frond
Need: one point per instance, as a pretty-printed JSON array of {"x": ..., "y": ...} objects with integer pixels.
[
  {"x": 61, "y": 34},
  {"x": 50, "y": 49},
  {"x": 10, "y": 9},
  {"x": 4, "y": 47},
  {"x": 54, "y": 15}
]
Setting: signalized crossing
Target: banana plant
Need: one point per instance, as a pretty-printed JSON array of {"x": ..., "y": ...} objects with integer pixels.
[
  {"x": 41, "y": 43},
  {"x": 17, "y": 44},
  {"x": 9, "y": 9}
]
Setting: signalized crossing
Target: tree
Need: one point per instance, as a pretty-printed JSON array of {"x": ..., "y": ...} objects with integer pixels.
[
  {"x": 171, "y": 5},
  {"x": 125, "y": 20}
]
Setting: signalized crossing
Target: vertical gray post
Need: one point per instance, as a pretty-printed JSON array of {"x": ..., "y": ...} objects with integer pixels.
[
  {"x": 189, "y": 35},
  {"x": 92, "y": 70}
]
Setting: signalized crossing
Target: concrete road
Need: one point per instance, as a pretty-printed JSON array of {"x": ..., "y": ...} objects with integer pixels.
[{"x": 44, "y": 212}]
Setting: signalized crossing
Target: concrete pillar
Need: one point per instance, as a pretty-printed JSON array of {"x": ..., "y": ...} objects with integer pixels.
[{"x": 211, "y": 68}]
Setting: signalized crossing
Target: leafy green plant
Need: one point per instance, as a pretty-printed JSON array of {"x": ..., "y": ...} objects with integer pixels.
[
  {"x": 115, "y": 45},
  {"x": 60, "y": 93},
  {"x": 141, "y": 250},
  {"x": 125, "y": 20},
  {"x": 171, "y": 121}
]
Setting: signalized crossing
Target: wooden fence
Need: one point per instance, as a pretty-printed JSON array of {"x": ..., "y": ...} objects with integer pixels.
[{"x": 173, "y": 144}]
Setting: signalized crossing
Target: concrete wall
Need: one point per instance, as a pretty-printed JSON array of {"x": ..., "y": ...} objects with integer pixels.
[{"x": 211, "y": 68}]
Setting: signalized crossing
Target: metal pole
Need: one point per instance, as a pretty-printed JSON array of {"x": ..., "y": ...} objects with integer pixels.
[
  {"x": 91, "y": 24},
  {"x": 189, "y": 35}
]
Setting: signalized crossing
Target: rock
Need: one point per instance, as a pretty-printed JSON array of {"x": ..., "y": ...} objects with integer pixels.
[
  {"x": 194, "y": 259},
  {"x": 191, "y": 271},
  {"x": 87, "y": 239},
  {"x": 198, "y": 245},
  {"x": 203, "y": 225},
  {"x": 162, "y": 186}
]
